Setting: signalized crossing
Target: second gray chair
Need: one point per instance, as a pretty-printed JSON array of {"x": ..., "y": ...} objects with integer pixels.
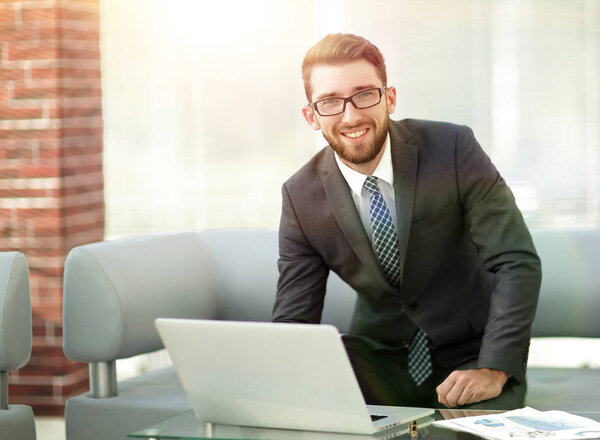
[{"x": 16, "y": 421}]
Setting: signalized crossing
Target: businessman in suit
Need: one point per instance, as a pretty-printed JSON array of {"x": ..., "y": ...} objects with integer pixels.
[{"x": 416, "y": 219}]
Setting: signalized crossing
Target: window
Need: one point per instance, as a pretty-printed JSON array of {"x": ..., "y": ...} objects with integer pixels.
[{"x": 202, "y": 107}]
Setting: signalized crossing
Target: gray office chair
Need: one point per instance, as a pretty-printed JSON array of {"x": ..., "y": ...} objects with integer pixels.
[{"x": 16, "y": 421}]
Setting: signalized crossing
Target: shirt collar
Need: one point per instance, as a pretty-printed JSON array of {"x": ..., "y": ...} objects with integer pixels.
[{"x": 383, "y": 171}]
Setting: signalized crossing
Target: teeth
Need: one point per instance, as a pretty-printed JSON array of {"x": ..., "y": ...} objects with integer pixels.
[{"x": 356, "y": 134}]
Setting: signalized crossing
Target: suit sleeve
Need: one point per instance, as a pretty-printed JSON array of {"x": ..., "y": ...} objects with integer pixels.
[
  {"x": 302, "y": 271},
  {"x": 504, "y": 245}
]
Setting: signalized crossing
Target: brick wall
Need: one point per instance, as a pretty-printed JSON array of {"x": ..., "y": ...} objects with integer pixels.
[{"x": 51, "y": 181}]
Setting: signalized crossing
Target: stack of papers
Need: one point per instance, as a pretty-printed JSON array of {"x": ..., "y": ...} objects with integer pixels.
[{"x": 526, "y": 423}]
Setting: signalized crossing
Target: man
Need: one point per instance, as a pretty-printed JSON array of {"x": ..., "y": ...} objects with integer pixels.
[{"x": 414, "y": 217}]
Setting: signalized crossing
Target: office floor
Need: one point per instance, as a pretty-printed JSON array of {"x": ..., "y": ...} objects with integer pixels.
[{"x": 50, "y": 428}]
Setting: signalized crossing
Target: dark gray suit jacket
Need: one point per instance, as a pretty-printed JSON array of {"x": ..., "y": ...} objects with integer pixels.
[{"x": 470, "y": 273}]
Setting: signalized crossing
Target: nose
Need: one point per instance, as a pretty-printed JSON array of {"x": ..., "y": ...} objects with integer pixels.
[{"x": 351, "y": 114}]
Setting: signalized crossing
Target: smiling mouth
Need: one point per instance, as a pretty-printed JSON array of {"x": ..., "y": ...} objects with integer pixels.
[{"x": 355, "y": 134}]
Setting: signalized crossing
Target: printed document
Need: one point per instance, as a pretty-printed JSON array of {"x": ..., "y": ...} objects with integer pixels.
[{"x": 526, "y": 423}]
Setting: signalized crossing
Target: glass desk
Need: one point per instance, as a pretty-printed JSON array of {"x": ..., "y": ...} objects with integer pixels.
[{"x": 186, "y": 426}]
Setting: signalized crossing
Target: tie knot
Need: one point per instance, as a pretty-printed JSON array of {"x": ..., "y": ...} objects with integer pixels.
[{"x": 371, "y": 185}]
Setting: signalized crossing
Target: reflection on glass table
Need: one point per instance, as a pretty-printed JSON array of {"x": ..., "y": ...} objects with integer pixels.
[{"x": 186, "y": 426}]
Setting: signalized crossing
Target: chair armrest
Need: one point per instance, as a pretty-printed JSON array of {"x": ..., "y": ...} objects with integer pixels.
[{"x": 114, "y": 290}]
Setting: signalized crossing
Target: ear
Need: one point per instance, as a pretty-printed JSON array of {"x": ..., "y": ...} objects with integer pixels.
[
  {"x": 390, "y": 95},
  {"x": 311, "y": 117}
]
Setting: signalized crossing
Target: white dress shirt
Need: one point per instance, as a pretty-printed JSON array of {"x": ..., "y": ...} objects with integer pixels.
[{"x": 385, "y": 180}]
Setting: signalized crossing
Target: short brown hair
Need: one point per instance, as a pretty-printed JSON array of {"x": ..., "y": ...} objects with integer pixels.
[{"x": 337, "y": 49}]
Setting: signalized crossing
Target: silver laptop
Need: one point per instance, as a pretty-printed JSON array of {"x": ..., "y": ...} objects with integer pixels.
[{"x": 288, "y": 376}]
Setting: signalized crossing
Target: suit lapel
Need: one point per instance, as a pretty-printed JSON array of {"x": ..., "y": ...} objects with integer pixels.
[
  {"x": 405, "y": 163},
  {"x": 346, "y": 215}
]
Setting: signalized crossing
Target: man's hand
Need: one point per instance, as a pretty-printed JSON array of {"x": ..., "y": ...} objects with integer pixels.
[{"x": 470, "y": 386}]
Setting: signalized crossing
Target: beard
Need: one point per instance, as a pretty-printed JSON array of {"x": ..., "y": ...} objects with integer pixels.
[{"x": 359, "y": 153}]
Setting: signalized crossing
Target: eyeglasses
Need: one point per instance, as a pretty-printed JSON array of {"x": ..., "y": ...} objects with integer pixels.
[{"x": 361, "y": 100}]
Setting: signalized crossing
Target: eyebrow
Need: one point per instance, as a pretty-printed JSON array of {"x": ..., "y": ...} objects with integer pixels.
[{"x": 337, "y": 95}]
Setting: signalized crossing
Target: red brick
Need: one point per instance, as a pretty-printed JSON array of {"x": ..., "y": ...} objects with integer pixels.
[
  {"x": 80, "y": 53},
  {"x": 49, "y": 73},
  {"x": 30, "y": 390},
  {"x": 15, "y": 154},
  {"x": 20, "y": 193},
  {"x": 79, "y": 15},
  {"x": 46, "y": 301},
  {"x": 30, "y": 134},
  {"x": 34, "y": 14},
  {"x": 81, "y": 112},
  {"x": 49, "y": 153},
  {"x": 38, "y": 330},
  {"x": 23, "y": 113},
  {"x": 15, "y": 144},
  {"x": 89, "y": 2},
  {"x": 82, "y": 73},
  {"x": 90, "y": 142},
  {"x": 53, "y": 250},
  {"x": 82, "y": 131},
  {"x": 92, "y": 187},
  {"x": 46, "y": 231},
  {"x": 11, "y": 228},
  {"x": 52, "y": 286},
  {"x": 11, "y": 74},
  {"x": 81, "y": 92},
  {"x": 49, "y": 30},
  {"x": 42, "y": 50},
  {"x": 50, "y": 313},
  {"x": 82, "y": 122},
  {"x": 72, "y": 389},
  {"x": 51, "y": 370},
  {"x": 52, "y": 295},
  {"x": 80, "y": 34},
  {"x": 53, "y": 407},
  {"x": 17, "y": 34},
  {"x": 49, "y": 330},
  {"x": 74, "y": 210},
  {"x": 69, "y": 171},
  {"x": 32, "y": 171},
  {"x": 36, "y": 93},
  {"x": 39, "y": 213},
  {"x": 7, "y": 15},
  {"x": 3, "y": 93}
]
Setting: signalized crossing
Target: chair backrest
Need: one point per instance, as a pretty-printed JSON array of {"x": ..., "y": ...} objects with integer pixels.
[
  {"x": 569, "y": 302},
  {"x": 246, "y": 262},
  {"x": 113, "y": 291},
  {"x": 15, "y": 311}
]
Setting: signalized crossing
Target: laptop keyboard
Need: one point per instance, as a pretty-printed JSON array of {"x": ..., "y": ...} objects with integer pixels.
[{"x": 374, "y": 417}]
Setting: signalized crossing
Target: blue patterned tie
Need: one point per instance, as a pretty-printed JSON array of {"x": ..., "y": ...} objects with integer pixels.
[{"x": 385, "y": 240}]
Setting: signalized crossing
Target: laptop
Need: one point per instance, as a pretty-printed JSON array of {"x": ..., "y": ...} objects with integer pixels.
[{"x": 274, "y": 375}]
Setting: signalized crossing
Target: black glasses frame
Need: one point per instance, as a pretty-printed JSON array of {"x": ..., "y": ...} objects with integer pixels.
[{"x": 381, "y": 91}]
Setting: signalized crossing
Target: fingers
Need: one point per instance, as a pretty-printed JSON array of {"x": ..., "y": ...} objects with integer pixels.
[
  {"x": 457, "y": 389},
  {"x": 468, "y": 386}
]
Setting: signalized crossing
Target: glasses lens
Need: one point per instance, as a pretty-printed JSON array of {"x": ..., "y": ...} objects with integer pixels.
[
  {"x": 331, "y": 106},
  {"x": 367, "y": 98},
  {"x": 335, "y": 106}
]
